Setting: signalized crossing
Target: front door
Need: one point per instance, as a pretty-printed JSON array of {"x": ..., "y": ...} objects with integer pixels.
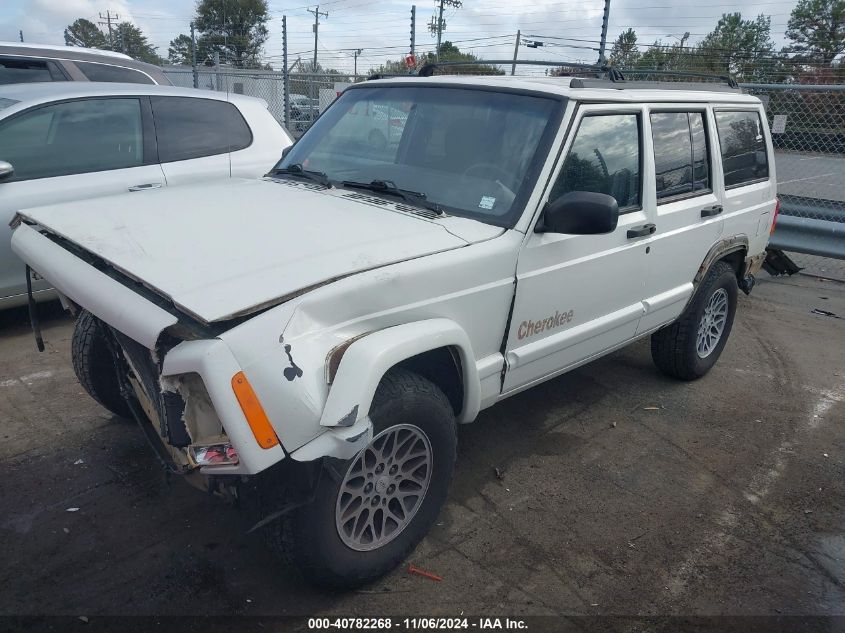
[
  {"x": 580, "y": 295},
  {"x": 68, "y": 151}
]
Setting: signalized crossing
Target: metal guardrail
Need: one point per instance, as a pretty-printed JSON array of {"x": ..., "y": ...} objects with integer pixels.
[{"x": 800, "y": 229}]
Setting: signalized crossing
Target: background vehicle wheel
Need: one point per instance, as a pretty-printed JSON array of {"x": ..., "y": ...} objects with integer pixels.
[
  {"x": 689, "y": 347},
  {"x": 370, "y": 512},
  {"x": 93, "y": 364}
]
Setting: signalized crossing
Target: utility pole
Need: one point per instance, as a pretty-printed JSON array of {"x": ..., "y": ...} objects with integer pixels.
[
  {"x": 356, "y": 52},
  {"x": 605, "y": 19},
  {"x": 317, "y": 13},
  {"x": 413, "y": 30},
  {"x": 108, "y": 17},
  {"x": 515, "y": 52},
  {"x": 194, "y": 56},
  {"x": 285, "y": 82},
  {"x": 21, "y": 34},
  {"x": 436, "y": 25}
]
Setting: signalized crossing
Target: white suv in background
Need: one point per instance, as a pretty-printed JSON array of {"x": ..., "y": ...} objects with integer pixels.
[
  {"x": 314, "y": 352},
  {"x": 71, "y": 140}
]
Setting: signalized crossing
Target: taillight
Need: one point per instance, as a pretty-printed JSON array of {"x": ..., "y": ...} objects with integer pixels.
[{"x": 775, "y": 217}]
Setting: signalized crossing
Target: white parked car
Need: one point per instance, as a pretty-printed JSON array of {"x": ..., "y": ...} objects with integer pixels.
[
  {"x": 76, "y": 140},
  {"x": 316, "y": 350}
]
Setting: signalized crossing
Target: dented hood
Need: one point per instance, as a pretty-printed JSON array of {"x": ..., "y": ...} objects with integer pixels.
[{"x": 226, "y": 249}]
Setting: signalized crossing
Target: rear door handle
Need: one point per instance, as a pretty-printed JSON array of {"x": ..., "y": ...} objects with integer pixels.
[
  {"x": 145, "y": 187},
  {"x": 640, "y": 231},
  {"x": 709, "y": 212}
]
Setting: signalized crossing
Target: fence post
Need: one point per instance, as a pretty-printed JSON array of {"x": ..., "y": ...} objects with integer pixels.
[
  {"x": 285, "y": 82},
  {"x": 194, "y": 56},
  {"x": 217, "y": 71}
]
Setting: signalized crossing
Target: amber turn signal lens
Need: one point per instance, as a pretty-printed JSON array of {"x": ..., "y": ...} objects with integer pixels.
[{"x": 254, "y": 412}]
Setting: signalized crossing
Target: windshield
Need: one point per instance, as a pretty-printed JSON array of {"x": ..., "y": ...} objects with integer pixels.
[{"x": 470, "y": 152}]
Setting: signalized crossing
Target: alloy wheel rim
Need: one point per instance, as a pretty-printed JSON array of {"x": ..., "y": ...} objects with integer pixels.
[
  {"x": 712, "y": 324},
  {"x": 383, "y": 488}
]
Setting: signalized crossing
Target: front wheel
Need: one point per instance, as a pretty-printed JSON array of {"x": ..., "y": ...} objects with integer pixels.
[
  {"x": 690, "y": 346},
  {"x": 94, "y": 366},
  {"x": 370, "y": 512}
]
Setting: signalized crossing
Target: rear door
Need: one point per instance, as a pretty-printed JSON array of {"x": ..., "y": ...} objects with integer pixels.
[
  {"x": 68, "y": 151},
  {"x": 578, "y": 296},
  {"x": 195, "y": 137},
  {"x": 688, "y": 206}
]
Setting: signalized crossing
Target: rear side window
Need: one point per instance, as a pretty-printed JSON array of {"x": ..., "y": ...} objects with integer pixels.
[
  {"x": 107, "y": 72},
  {"x": 19, "y": 70},
  {"x": 74, "y": 137},
  {"x": 604, "y": 158},
  {"x": 680, "y": 153},
  {"x": 744, "y": 156},
  {"x": 190, "y": 128}
]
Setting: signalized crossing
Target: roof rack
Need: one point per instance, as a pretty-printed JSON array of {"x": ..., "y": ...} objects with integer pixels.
[
  {"x": 427, "y": 70},
  {"x": 606, "y": 72}
]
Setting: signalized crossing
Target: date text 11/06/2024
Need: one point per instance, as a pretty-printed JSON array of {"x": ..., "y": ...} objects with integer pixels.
[{"x": 417, "y": 624}]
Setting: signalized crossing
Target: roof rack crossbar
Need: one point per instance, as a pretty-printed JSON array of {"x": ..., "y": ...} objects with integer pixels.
[
  {"x": 730, "y": 81},
  {"x": 427, "y": 70}
]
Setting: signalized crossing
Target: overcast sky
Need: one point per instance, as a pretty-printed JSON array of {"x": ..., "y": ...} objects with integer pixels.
[{"x": 382, "y": 28}]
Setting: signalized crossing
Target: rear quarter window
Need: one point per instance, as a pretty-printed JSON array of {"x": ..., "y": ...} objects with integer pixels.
[
  {"x": 743, "y": 145},
  {"x": 107, "y": 72},
  {"x": 187, "y": 128},
  {"x": 19, "y": 70}
]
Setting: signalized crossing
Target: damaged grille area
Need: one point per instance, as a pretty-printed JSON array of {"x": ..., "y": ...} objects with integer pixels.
[{"x": 167, "y": 405}]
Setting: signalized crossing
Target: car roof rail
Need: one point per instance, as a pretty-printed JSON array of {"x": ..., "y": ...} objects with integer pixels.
[
  {"x": 610, "y": 73},
  {"x": 725, "y": 79}
]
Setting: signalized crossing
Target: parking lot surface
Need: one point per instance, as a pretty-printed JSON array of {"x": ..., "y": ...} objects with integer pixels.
[{"x": 610, "y": 490}]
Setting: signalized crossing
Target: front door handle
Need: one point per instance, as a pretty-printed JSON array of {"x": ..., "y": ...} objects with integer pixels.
[
  {"x": 709, "y": 212},
  {"x": 640, "y": 231},
  {"x": 145, "y": 187}
]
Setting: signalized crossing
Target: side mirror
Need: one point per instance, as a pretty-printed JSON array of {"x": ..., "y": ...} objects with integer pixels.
[
  {"x": 6, "y": 170},
  {"x": 580, "y": 213}
]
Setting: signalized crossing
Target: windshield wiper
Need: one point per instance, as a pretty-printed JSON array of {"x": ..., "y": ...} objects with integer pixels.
[
  {"x": 388, "y": 187},
  {"x": 297, "y": 170}
]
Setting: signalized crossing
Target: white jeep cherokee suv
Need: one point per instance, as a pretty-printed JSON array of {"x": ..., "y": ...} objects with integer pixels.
[{"x": 311, "y": 340}]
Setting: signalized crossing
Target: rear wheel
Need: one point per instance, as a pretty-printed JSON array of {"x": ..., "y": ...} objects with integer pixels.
[
  {"x": 368, "y": 513},
  {"x": 690, "y": 346},
  {"x": 94, "y": 366}
]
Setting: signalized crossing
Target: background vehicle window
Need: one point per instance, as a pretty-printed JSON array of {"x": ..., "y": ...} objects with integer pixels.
[
  {"x": 604, "y": 158},
  {"x": 107, "y": 72},
  {"x": 18, "y": 70},
  {"x": 743, "y": 147},
  {"x": 73, "y": 138},
  {"x": 191, "y": 128},
  {"x": 680, "y": 153}
]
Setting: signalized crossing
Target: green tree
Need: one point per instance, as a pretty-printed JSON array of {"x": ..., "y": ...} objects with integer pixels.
[
  {"x": 85, "y": 33},
  {"x": 179, "y": 50},
  {"x": 660, "y": 56},
  {"x": 451, "y": 53},
  {"x": 236, "y": 29},
  {"x": 742, "y": 48},
  {"x": 624, "y": 53},
  {"x": 129, "y": 39},
  {"x": 817, "y": 29}
]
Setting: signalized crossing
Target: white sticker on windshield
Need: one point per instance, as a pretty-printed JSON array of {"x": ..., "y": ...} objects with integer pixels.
[{"x": 487, "y": 202}]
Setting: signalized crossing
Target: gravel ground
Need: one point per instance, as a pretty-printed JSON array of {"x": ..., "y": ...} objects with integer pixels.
[{"x": 622, "y": 492}]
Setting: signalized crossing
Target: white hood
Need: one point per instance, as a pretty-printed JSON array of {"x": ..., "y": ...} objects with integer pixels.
[{"x": 219, "y": 250}]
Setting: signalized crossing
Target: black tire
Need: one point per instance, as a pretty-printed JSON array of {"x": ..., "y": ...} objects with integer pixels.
[
  {"x": 311, "y": 539},
  {"x": 93, "y": 364},
  {"x": 674, "y": 348}
]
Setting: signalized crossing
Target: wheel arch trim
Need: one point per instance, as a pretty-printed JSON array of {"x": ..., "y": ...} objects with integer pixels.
[{"x": 369, "y": 358}]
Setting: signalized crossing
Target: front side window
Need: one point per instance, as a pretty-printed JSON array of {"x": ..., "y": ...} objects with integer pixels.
[
  {"x": 604, "y": 158},
  {"x": 73, "y": 137},
  {"x": 19, "y": 70},
  {"x": 191, "y": 128},
  {"x": 680, "y": 153},
  {"x": 106, "y": 72},
  {"x": 744, "y": 156},
  {"x": 472, "y": 152}
]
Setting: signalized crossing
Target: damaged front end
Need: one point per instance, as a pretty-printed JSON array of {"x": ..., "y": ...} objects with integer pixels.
[{"x": 175, "y": 414}]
